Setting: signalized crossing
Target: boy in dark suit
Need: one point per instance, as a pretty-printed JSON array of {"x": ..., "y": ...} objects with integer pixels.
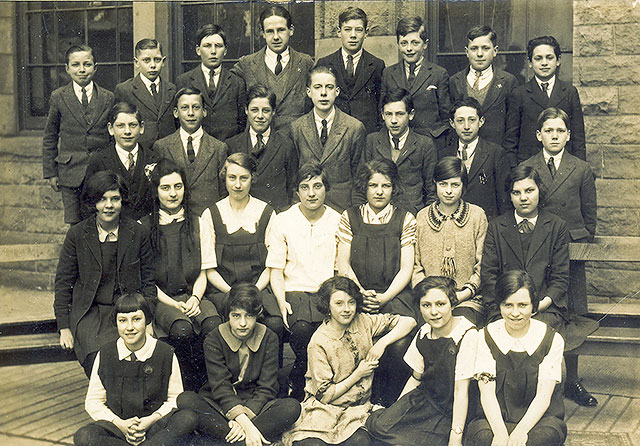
[
  {"x": 330, "y": 137},
  {"x": 427, "y": 82},
  {"x": 191, "y": 148},
  {"x": 76, "y": 126},
  {"x": 277, "y": 157},
  {"x": 278, "y": 67},
  {"x": 224, "y": 92},
  {"x": 414, "y": 154},
  {"x": 544, "y": 90},
  {"x": 486, "y": 163},
  {"x": 126, "y": 157},
  {"x": 151, "y": 95},
  {"x": 571, "y": 195},
  {"x": 358, "y": 72},
  {"x": 485, "y": 83}
]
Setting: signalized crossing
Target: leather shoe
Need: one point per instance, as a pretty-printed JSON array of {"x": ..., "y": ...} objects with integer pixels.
[{"x": 579, "y": 394}]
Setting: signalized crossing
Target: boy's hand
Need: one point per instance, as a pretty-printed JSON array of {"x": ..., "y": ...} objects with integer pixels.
[
  {"x": 53, "y": 182},
  {"x": 254, "y": 437},
  {"x": 236, "y": 433},
  {"x": 285, "y": 310},
  {"x": 66, "y": 339}
]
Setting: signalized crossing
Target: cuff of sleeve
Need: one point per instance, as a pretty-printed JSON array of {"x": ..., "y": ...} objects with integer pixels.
[
  {"x": 238, "y": 410},
  {"x": 472, "y": 287},
  {"x": 63, "y": 323}
]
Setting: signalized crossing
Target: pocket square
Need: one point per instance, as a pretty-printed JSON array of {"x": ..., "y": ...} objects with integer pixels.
[{"x": 432, "y": 87}]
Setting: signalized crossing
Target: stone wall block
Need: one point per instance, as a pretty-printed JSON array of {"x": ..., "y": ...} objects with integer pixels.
[
  {"x": 594, "y": 158},
  {"x": 631, "y": 266},
  {"x": 593, "y": 40},
  {"x": 612, "y": 129},
  {"x": 614, "y": 283},
  {"x": 27, "y": 279},
  {"x": 607, "y": 71},
  {"x": 599, "y": 100},
  {"x": 19, "y": 196},
  {"x": 20, "y": 173},
  {"x": 587, "y": 12},
  {"x": 621, "y": 161},
  {"x": 20, "y": 148},
  {"x": 12, "y": 219},
  {"x": 49, "y": 199},
  {"x": 629, "y": 99},
  {"x": 44, "y": 220},
  {"x": 8, "y": 121},
  {"x": 619, "y": 192},
  {"x": 616, "y": 220},
  {"x": 627, "y": 37}
]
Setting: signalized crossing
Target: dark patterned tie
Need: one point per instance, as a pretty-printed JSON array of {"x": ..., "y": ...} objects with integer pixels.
[
  {"x": 395, "y": 153},
  {"x": 463, "y": 152},
  {"x": 525, "y": 227},
  {"x": 552, "y": 166},
  {"x": 191, "y": 154},
  {"x": 132, "y": 164},
  {"x": 350, "y": 70},
  {"x": 259, "y": 147},
  {"x": 324, "y": 133},
  {"x": 412, "y": 73},
  {"x": 85, "y": 98},
  {"x": 545, "y": 87},
  {"x": 212, "y": 84},
  {"x": 476, "y": 83},
  {"x": 156, "y": 96},
  {"x": 278, "y": 69}
]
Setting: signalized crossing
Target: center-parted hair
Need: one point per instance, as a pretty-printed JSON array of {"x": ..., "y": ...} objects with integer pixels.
[
  {"x": 451, "y": 167},
  {"x": 148, "y": 44},
  {"x": 543, "y": 40},
  {"x": 520, "y": 173},
  {"x": 210, "y": 29},
  {"x": 310, "y": 170},
  {"x": 511, "y": 281},
  {"x": 123, "y": 107},
  {"x": 553, "y": 113},
  {"x": 444, "y": 284},
  {"x": 352, "y": 13},
  {"x": 337, "y": 283},
  {"x": 397, "y": 95},
  {"x": 482, "y": 30},
  {"x": 97, "y": 185},
  {"x": 275, "y": 10},
  {"x": 409, "y": 25},
  {"x": 466, "y": 101},
  {"x": 243, "y": 296},
  {"x": 384, "y": 167},
  {"x": 130, "y": 303},
  {"x": 260, "y": 91}
]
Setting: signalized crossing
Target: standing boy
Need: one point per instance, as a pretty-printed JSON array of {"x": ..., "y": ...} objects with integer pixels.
[
  {"x": 414, "y": 154},
  {"x": 485, "y": 83},
  {"x": 278, "y": 66},
  {"x": 331, "y": 137},
  {"x": 427, "y": 82},
  {"x": 302, "y": 248},
  {"x": 358, "y": 72},
  {"x": 544, "y": 90},
  {"x": 277, "y": 157},
  {"x": 151, "y": 95},
  {"x": 126, "y": 157},
  {"x": 199, "y": 154},
  {"x": 76, "y": 126},
  {"x": 486, "y": 163},
  {"x": 224, "y": 93}
]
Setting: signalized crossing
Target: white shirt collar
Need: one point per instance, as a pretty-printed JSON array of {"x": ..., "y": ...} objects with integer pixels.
[
  {"x": 402, "y": 139},
  {"x": 329, "y": 118},
  {"x": 271, "y": 58},
  {"x": 195, "y": 138},
  {"x": 141, "y": 355},
  {"x": 166, "y": 218},
  {"x": 532, "y": 220},
  {"x": 356, "y": 57},
  {"x": 147, "y": 83},
  {"x": 461, "y": 327},
  {"x": 103, "y": 234},
  {"x": 254, "y": 138},
  {"x": 556, "y": 158},
  {"x": 77, "y": 89},
  {"x": 124, "y": 155},
  {"x": 249, "y": 218},
  {"x": 485, "y": 75},
  {"x": 551, "y": 82},
  {"x": 471, "y": 147},
  {"x": 206, "y": 71},
  {"x": 529, "y": 342}
]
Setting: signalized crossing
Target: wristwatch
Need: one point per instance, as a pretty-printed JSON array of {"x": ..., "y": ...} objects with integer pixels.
[{"x": 458, "y": 430}]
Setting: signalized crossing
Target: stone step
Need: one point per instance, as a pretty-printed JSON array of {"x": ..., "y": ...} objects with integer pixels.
[{"x": 17, "y": 148}]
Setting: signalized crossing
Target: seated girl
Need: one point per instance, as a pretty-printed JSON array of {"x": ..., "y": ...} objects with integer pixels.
[
  {"x": 183, "y": 251},
  {"x": 434, "y": 403},
  {"x": 103, "y": 257},
  {"x": 134, "y": 385},
  {"x": 519, "y": 369},
  {"x": 342, "y": 358},
  {"x": 239, "y": 402},
  {"x": 450, "y": 238},
  {"x": 241, "y": 223}
]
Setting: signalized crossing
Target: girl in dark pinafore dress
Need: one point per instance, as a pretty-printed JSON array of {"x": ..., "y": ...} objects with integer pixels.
[
  {"x": 435, "y": 400},
  {"x": 519, "y": 372},
  {"x": 376, "y": 250},
  {"x": 240, "y": 224}
]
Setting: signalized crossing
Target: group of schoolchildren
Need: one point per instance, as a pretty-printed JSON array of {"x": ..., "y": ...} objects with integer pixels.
[{"x": 374, "y": 218}]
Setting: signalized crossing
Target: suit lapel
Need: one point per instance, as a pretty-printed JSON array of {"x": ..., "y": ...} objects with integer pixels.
[
  {"x": 512, "y": 237},
  {"x": 143, "y": 95},
  {"x": 91, "y": 239},
  {"x": 543, "y": 170},
  {"x": 224, "y": 80},
  {"x": 558, "y": 92},
  {"x": 198, "y": 80},
  {"x": 539, "y": 235},
  {"x": 383, "y": 147},
  {"x": 460, "y": 82},
  {"x": 479, "y": 158},
  {"x": 205, "y": 152},
  {"x": 310, "y": 133},
  {"x": 125, "y": 236},
  {"x": 271, "y": 148},
  {"x": 69, "y": 98},
  {"x": 424, "y": 75},
  {"x": 410, "y": 146},
  {"x": 176, "y": 150},
  {"x": 260, "y": 67},
  {"x": 97, "y": 105},
  {"x": 397, "y": 73},
  {"x": 364, "y": 71},
  {"x": 167, "y": 92},
  {"x": 338, "y": 129},
  {"x": 567, "y": 166},
  {"x": 495, "y": 88},
  {"x": 536, "y": 94},
  {"x": 294, "y": 71}
]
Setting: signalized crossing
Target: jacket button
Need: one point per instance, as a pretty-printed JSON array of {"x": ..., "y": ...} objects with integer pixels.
[{"x": 268, "y": 184}]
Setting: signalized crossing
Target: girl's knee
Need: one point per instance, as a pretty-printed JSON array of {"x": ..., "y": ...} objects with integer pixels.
[
  {"x": 210, "y": 324},
  {"x": 181, "y": 330}
]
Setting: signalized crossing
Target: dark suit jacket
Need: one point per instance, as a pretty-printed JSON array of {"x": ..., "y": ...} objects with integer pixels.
[
  {"x": 139, "y": 202},
  {"x": 571, "y": 194},
  {"x": 415, "y": 164},
  {"x": 487, "y": 177},
  {"x": 430, "y": 94},
  {"x": 340, "y": 157},
  {"x": 158, "y": 122},
  {"x": 360, "y": 97},
  {"x": 80, "y": 268},
  {"x": 547, "y": 259},
  {"x": 71, "y": 135},
  {"x": 277, "y": 168},
  {"x": 203, "y": 176},
  {"x": 494, "y": 105},
  {"x": 525, "y": 103},
  {"x": 293, "y": 102},
  {"x": 225, "y": 111}
]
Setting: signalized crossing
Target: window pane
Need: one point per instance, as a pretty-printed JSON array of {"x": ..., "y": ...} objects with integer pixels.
[
  {"x": 558, "y": 21},
  {"x": 453, "y": 64},
  {"x": 235, "y": 19},
  {"x": 70, "y": 31},
  {"x": 40, "y": 80},
  {"x": 509, "y": 20},
  {"x": 455, "y": 19},
  {"x": 125, "y": 20},
  {"x": 42, "y": 44},
  {"x": 107, "y": 76},
  {"x": 69, "y": 5},
  {"x": 102, "y": 34},
  {"x": 193, "y": 18},
  {"x": 304, "y": 38},
  {"x": 126, "y": 71}
]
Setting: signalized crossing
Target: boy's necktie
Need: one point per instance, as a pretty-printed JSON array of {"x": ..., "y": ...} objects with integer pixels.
[
  {"x": 278, "y": 69},
  {"x": 132, "y": 163},
  {"x": 552, "y": 166},
  {"x": 545, "y": 86},
  {"x": 324, "y": 133},
  {"x": 259, "y": 147},
  {"x": 476, "y": 82},
  {"x": 85, "y": 98},
  {"x": 156, "y": 96},
  {"x": 212, "y": 84},
  {"x": 191, "y": 154},
  {"x": 463, "y": 152},
  {"x": 412, "y": 73},
  {"x": 133, "y": 357},
  {"x": 525, "y": 227},
  {"x": 350, "y": 70},
  {"x": 395, "y": 153}
]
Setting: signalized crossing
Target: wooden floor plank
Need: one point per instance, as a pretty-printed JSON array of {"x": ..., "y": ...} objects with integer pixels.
[
  {"x": 66, "y": 435},
  {"x": 40, "y": 427},
  {"x": 583, "y": 416},
  {"x": 32, "y": 380},
  {"x": 33, "y": 413},
  {"x": 72, "y": 418},
  {"x": 10, "y": 376},
  {"x": 608, "y": 415},
  {"x": 43, "y": 394},
  {"x": 629, "y": 420}
]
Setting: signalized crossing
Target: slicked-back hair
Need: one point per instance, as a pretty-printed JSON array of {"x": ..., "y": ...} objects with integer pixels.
[
  {"x": 186, "y": 91},
  {"x": 511, "y": 281},
  {"x": 520, "y": 173},
  {"x": 337, "y": 283},
  {"x": 148, "y": 44},
  {"x": 409, "y": 25},
  {"x": 383, "y": 166},
  {"x": 397, "y": 95},
  {"x": 243, "y": 296},
  {"x": 444, "y": 284},
  {"x": 97, "y": 185},
  {"x": 321, "y": 69},
  {"x": 261, "y": 91},
  {"x": 210, "y": 29},
  {"x": 130, "y": 303},
  {"x": 353, "y": 13},
  {"x": 466, "y": 101},
  {"x": 553, "y": 113},
  {"x": 451, "y": 167},
  {"x": 543, "y": 40},
  {"x": 123, "y": 107},
  {"x": 310, "y": 170},
  {"x": 78, "y": 49},
  {"x": 482, "y": 30},
  {"x": 275, "y": 10}
]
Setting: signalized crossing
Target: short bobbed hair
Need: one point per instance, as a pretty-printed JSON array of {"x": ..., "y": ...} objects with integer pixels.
[
  {"x": 384, "y": 167},
  {"x": 451, "y": 167},
  {"x": 310, "y": 170},
  {"x": 337, "y": 283},
  {"x": 244, "y": 296},
  {"x": 444, "y": 284},
  {"x": 99, "y": 184},
  {"x": 520, "y": 173},
  {"x": 130, "y": 303},
  {"x": 511, "y": 281}
]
